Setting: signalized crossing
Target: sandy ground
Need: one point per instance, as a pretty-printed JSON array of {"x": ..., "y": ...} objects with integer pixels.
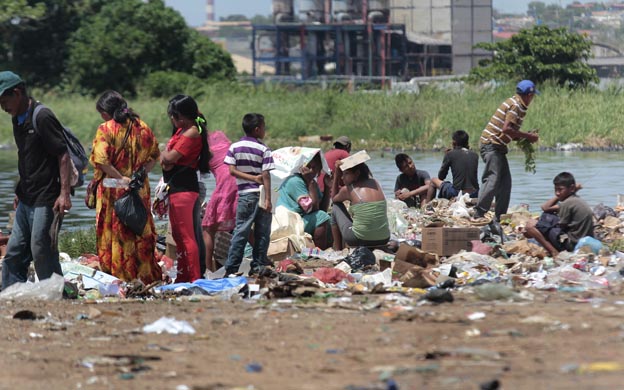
[{"x": 552, "y": 342}]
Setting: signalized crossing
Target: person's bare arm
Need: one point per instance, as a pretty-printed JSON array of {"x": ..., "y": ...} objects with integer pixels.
[
  {"x": 63, "y": 202},
  {"x": 326, "y": 193},
  {"x": 312, "y": 186},
  {"x": 551, "y": 205},
  {"x": 245, "y": 176},
  {"x": 266, "y": 182},
  {"x": 517, "y": 134},
  {"x": 342, "y": 195}
]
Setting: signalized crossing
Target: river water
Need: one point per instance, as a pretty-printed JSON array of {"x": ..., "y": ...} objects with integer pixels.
[{"x": 599, "y": 172}]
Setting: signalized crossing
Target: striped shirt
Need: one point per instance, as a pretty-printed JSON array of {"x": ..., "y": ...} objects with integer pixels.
[
  {"x": 512, "y": 110},
  {"x": 249, "y": 155}
]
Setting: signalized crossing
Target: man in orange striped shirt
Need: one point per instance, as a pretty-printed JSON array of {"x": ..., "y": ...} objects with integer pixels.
[{"x": 503, "y": 127}]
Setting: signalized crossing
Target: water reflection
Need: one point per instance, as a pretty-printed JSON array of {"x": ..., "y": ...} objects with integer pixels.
[{"x": 599, "y": 172}]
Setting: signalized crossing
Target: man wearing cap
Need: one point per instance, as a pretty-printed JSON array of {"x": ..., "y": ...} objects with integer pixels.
[
  {"x": 503, "y": 127},
  {"x": 342, "y": 148},
  {"x": 42, "y": 193}
]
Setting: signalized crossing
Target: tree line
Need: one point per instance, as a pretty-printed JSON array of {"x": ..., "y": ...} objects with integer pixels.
[{"x": 88, "y": 46}]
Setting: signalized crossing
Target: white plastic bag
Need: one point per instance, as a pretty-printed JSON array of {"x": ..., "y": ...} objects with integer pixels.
[
  {"x": 50, "y": 289},
  {"x": 459, "y": 207}
]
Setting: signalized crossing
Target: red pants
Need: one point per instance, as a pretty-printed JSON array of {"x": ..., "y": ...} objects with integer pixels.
[{"x": 183, "y": 231}]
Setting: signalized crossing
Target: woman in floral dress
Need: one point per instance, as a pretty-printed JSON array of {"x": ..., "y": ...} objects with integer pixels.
[{"x": 122, "y": 253}]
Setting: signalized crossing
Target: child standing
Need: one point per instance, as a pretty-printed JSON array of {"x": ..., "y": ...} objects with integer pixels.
[
  {"x": 566, "y": 218},
  {"x": 463, "y": 163},
  {"x": 412, "y": 185},
  {"x": 250, "y": 162},
  {"x": 220, "y": 212}
]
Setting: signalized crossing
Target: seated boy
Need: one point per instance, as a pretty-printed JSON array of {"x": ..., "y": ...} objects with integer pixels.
[
  {"x": 463, "y": 163},
  {"x": 566, "y": 218},
  {"x": 412, "y": 185}
]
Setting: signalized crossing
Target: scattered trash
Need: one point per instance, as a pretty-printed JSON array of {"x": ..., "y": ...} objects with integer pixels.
[
  {"x": 253, "y": 367},
  {"x": 26, "y": 315},
  {"x": 169, "y": 325},
  {"x": 50, "y": 289},
  {"x": 479, "y": 315},
  {"x": 494, "y": 292}
]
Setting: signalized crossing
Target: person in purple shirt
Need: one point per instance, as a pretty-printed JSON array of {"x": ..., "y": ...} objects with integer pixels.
[{"x": 250, "y": 162}]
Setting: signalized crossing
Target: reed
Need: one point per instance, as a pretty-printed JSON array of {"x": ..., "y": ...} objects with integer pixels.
[{"x": 372, "y": 119}]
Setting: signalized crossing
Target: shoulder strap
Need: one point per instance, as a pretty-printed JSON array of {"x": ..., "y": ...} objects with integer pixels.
[{"x": 36, "y": 111}]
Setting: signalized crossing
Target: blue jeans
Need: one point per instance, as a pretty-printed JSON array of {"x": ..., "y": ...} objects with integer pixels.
[
  {"x": 31, "y": 240},
  {"x": 248, "y": 214}
]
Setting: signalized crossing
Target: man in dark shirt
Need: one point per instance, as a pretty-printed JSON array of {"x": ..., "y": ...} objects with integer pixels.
[
  {"x": 412, "y": 185},
  {"x": 463, "y": 163},
  {"x": 42, "y": 193}
]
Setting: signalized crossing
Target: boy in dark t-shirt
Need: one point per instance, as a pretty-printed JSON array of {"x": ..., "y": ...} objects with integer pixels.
[
  {"x": 412, "y": 185},
  {"x": 566, "y": 218},
  {"x": 463, "y": 163}
]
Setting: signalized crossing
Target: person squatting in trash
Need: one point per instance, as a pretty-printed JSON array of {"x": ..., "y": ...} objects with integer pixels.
[
  {"x": 463, "y": 164},
  {"x": 250, "y": 162},
  {"x": 503, "y": 127},
  {"x": 412, "y": 185},
  {"x": 566, "y": 218},
  {"x": 300, "y": 193},
  {"x": 42, "y": 194},
  {"x": 180, "y": 161},
  {"x": 366, "y": 221}
]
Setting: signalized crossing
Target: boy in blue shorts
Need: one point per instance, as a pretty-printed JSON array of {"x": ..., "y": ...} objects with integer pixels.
[
  {"x": 565, "y": 220},
  {"x": 463, "y": 163},
  {"x": 250, "y": 162}
]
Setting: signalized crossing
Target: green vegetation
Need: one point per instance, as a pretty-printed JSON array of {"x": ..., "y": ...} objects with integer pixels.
[
  {"x": 77, "y": 242},
  {"x": 88, "y": 46},
  {"x": 372, "y": 120},
  {"x": 539, "y": 54}
]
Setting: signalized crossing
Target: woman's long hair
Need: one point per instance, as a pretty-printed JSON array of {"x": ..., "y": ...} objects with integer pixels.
[
  {"x": 185, "y": 106},
  {"x": 112, "y": 103}
]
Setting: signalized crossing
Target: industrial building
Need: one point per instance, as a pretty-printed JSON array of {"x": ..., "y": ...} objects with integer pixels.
[{"x": 373, "y": 38}]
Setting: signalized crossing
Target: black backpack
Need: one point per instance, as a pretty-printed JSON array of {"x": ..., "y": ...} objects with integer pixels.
[{"x": 76, "y": 151}]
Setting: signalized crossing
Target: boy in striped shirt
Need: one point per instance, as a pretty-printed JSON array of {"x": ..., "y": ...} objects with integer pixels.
[
  {"x": 250, "y": 163},
  {"x": 503, "y": 127}
]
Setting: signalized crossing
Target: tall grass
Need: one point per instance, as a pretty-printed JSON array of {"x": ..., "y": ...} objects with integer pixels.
[{"x": 372, "y": 120}]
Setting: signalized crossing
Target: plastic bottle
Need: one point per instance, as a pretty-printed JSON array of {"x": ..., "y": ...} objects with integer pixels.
[{"x": 110, "y": 182}]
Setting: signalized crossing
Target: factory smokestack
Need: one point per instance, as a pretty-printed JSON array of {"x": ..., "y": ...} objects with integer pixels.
[{"x": 210, "y": 15}]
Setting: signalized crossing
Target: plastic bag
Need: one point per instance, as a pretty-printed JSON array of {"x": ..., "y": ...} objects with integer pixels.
[
  {"x": 591, "y": 242},
  {"x": 50, "y": 289},
  {"x": 160, "y": 206},
  {"x": 130, "y": 208},
  {"x": 169, "y": 325},
  {"x": 360, "y": 258},
  {"x": 459, "y": 209}
]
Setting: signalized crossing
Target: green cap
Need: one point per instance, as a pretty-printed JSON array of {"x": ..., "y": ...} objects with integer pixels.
[{"x": 8, "y": 80}]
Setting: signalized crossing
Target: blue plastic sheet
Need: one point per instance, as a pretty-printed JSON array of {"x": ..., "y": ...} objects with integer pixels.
[{"x": 212, "y": 286}]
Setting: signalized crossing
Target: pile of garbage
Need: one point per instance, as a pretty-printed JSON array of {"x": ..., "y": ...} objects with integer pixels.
[{"x": 497, "y": 263}]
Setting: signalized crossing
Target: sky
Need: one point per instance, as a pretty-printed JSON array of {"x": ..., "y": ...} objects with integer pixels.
[{"x": 195, "y": 14}]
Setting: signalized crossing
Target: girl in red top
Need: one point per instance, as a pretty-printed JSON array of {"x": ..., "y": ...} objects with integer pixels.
[{"x": 179, "y": 163}]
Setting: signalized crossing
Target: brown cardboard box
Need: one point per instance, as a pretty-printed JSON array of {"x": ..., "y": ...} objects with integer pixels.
[
  {"x": 446, "y": 241},
  {"x": 280, "y": 249},
  {"x": 413, "y": 255}
]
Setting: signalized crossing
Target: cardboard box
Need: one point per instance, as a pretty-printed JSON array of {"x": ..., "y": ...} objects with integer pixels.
[
  {"x": 446, "y": 241},
  {"x": 280, "y": 249},
  {"x": 415, "y": 256}
]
